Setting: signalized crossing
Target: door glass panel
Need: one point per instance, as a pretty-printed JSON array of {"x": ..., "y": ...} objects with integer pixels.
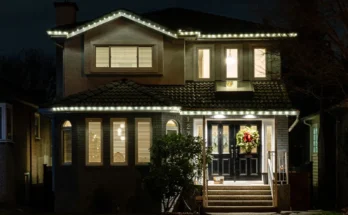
[
  {"x": 225, "y": 139},
  {"x": 214, "y": 139}
]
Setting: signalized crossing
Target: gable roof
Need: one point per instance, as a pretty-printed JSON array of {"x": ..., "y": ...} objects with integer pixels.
[
  {"x": 268, "y": 95},
  {"x": 178, "y": 22}
]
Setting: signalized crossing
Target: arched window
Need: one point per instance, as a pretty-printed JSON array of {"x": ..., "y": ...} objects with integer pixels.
[
  {"x": 172, "y": 127},
  {"x": 66, "y": 143}
]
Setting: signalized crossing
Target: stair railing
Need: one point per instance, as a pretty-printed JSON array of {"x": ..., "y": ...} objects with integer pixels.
[{"x": 270, "y": 175}]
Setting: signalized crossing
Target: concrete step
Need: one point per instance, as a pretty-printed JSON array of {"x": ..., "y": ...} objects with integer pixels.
[
  {"x": 239, "y": 197},
  {"x": 239, "y": 192},
  {"x": 240, "y": 202},
  {"x": 253, "y": 187},
  {"x": 230, "y": 209}
]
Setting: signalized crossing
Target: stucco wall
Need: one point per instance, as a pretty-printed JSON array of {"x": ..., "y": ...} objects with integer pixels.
[{"x": 77, "y": 187}]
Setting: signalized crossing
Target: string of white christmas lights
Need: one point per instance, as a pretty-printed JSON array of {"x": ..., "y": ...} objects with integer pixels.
[
  {"x": 171, "y": 109},
  {"x": 157, "y": 27}
]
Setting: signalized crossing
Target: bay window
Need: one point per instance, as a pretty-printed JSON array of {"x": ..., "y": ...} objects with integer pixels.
[
  {"x": 203, "y": 63},
  {"x": 260, "y": 63}
]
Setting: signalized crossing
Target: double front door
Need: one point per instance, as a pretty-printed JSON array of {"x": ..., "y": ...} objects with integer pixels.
[{"x": 229, "y": 160}]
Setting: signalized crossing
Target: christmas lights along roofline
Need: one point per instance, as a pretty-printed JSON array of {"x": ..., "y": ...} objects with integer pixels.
[
  {"x": 157, "y": 27},
  {"x": 171, "y": 109}
]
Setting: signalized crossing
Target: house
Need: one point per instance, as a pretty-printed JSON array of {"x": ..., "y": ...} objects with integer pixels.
[
  {"x": 25, "y": 149},
  {"x": 125, "y": 79}
]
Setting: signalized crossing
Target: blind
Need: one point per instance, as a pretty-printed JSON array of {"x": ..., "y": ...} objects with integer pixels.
[
  {"x": 204, "y": 63},
  {"x": 260, "y": 63},
  {"x": 67, "y": 153},
  {"x": 124, "y": 56},
  {"x": 231, "y": 63},
  {"x": 144, "y": 140},
  {"x": 94, "y": 142},
  {"x": 102, "y": 57},
  {"x": 119, "y": 141},
  {"x": 145, "y": 56}
]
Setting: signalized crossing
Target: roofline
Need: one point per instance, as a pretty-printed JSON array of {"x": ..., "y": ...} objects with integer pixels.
[
  {"x": 182, "y": 111},
  {"x": 178, "y": 33}
]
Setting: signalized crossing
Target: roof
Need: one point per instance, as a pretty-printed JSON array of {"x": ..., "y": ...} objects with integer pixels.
[
  {"x": 206, "y": 23},
  {"x": 175, "y": 22},
  {"x": 268, "y": 95}
]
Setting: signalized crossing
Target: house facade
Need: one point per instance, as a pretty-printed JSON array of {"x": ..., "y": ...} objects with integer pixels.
[{"x": 125, "y": 79}]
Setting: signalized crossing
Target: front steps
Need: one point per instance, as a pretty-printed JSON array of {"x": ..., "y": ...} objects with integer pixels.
[{"x": 239, "y": 198}]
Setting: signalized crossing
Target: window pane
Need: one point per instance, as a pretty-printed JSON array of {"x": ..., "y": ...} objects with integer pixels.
[
  {"x": 94, "y": 142},
  {"x": 125, "y": 57},
  {"x": 226, "y": 139},
  {"x": 119, "y": 141},
  {"x": 145, "y": 56},
  {"x": 315, "y": 138},
  {"x": 214, "y": 139},
  {"x": 67, "y": 145},
  {"x": 102, "y": 56},
  {"x": 260, "y": 63},
  {"x": 204, "y": 63},
  {"x": 231, "y": 63},
  {"x": 143, "y": 140}
]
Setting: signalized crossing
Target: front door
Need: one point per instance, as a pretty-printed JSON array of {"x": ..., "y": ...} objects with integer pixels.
[{"x": 228, "y": 158}]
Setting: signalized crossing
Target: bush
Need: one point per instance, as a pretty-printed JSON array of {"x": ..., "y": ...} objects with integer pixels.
[{"x": 176, "y": 160}]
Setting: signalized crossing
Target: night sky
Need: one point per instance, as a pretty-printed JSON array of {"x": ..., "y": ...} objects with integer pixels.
[{"x": 24, "y": 22}]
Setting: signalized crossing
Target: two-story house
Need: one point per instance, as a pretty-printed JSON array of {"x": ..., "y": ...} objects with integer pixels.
[{"x": 125, "y": 79}]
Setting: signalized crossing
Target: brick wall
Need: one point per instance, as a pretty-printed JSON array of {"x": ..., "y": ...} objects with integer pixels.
[{"x": 79, "y": 188}]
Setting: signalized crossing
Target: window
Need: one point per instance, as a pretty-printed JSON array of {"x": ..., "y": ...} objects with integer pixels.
[
  {"x": 124, "y": 57},
  {"x": 198, "y": 128},
  {"x": 259, "y": 63},
  {"x": 315, "y": 138},
  {"x": 118, "y": 141},
  {"x": 143, "y": 132},
  {"x": 37, "y": 126},
  {"x": 172, "y": 127},
  {"x": 203, "y": 63},
  {"x": 231, "y": 63},
  {"x": 94, "y": 141},
  {"x": 6, "y": 121},
  {"x": 66, "y": 143}
]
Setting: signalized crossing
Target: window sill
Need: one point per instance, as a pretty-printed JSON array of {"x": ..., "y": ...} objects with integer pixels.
[{"x": 98, "y": 74}]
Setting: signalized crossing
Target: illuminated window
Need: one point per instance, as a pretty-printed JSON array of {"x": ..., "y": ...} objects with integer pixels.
[
  {"x": 172, "y": 127},
  {"x": 124, "y": 57},
  {"x": 259, "y": 63},
  {"x": 231, "y": 63},
  {"x": 143, "y": 132},
  {"x": 66, "y": 143},
  {"x": 118, "y": 141},
  {"x": 315, "y": 138},
  {"x": 203, "y": 63},
  {"x": 94, "y": 141},
  {"x": 198, "y": 128}
]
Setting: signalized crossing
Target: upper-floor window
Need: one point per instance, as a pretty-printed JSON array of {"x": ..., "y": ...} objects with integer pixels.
[
  {"x": 5, "y": 121},
  {"x": 124, "y": 57},
  {"x": 203, "y": 63},
  {"x": 231, "y": 63},
  {"x": 260, "y": 63}
]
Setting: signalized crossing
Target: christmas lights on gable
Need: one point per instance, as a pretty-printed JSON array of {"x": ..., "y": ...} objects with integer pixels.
[{"x": 159, "y": 28}]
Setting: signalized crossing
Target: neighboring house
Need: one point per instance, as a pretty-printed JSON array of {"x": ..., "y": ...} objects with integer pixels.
[
  {"x": 25, "y": 147},
  {"x": 125, "y": 79}
]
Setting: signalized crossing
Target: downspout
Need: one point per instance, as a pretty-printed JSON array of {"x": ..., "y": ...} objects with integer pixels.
[{"x": 296, "y": 121}]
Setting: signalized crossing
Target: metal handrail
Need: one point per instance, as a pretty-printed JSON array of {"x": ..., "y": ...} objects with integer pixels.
[{"x": 270, "y": 176}]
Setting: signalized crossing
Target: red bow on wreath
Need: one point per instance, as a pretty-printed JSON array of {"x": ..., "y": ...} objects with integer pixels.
[{"x": 247, "y": 137}]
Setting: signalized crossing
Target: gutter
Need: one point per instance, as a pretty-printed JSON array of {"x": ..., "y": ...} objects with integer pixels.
[{"x": 296, "y": 121}]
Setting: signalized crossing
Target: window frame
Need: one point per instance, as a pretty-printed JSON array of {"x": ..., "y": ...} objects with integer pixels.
[
  {"x": 4, "y": 121},
  {"x": 196, "y": 66},
  {"x": 239, "y": 48},
  {"x": 177, "y": 126},
  {"x": 124, "y": 70},
  {"x": 37, "y": 118},
  {"x": 136, "y": 139},
  {"x": 62, "y": 143},
  {"x": 112, "y": 163},
  {"x": 88, "y": 120}
]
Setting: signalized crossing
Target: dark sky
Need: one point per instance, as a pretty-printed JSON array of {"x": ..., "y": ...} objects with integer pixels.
[{"x": 24, "y": 22}]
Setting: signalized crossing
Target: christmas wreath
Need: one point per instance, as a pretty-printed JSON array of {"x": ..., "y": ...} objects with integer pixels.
[{"x": 247, "y": 139}]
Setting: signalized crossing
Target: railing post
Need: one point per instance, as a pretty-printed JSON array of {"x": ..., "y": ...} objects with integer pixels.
[
  {"x": 286, "y": 168},
  {"x": 276, "y": 165},
  {"x": 205, "y": 200}
]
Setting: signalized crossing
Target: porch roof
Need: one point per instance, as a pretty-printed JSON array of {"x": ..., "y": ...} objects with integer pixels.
[{"x": 267, "y": 95}]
